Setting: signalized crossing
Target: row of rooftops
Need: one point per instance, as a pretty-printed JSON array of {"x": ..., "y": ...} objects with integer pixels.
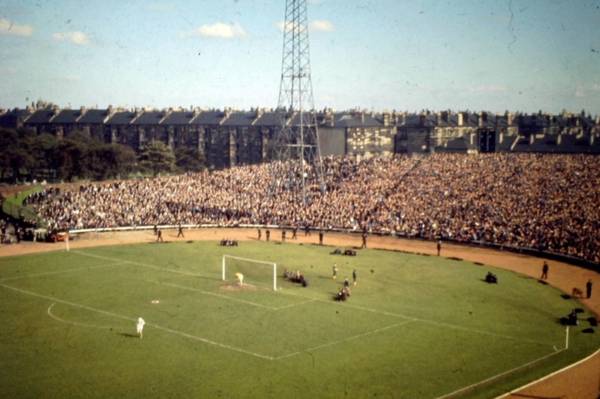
[{"x": 273, "y": 118}]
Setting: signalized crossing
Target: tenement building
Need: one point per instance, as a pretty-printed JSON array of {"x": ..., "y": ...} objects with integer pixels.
[{"x": 230, "y": 137}]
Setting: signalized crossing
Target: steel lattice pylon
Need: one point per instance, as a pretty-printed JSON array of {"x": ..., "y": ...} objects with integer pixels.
[{"x": 298, "y": 138}]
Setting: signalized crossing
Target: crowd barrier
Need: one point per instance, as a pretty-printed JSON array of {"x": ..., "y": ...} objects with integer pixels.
[{"x": 481, "y": 244}]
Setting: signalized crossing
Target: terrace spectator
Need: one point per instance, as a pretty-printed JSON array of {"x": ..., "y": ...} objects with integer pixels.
[{"x": 547, "y": 202}]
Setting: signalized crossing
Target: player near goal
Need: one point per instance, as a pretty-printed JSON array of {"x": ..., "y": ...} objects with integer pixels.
[{"x": 249, "y": 271}]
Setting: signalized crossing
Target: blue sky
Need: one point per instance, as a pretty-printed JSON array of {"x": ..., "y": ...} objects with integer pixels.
[{"x": 374, "y": 54}]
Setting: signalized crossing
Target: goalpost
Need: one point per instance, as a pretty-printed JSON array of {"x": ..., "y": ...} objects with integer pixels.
[{"x": 253, "y": 270}]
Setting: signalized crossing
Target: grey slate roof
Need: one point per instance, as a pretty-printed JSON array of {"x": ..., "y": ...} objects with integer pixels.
[
  {"x": 11, "y": 117},
  {"x": 149, "y": 118},
  {"x": 270, "y": 119},
  {"x": 208, "y": 118},
  {"x": 178, "y": 118},
  {"x": 354, "y": 119},
  {"x": 121, "y": 118},
  {"x": 94, "y": 116},
  {"x": 67, "y": 116},
  {"x": 240, "y": 119},
  {"x": 419, "y": 121},
  {"x": 40, "y": 116}
]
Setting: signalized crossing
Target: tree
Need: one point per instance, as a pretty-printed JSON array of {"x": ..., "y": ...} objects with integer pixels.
[
  {"x": 156, "y": 157},
  {"x": 189, "y": 159}
]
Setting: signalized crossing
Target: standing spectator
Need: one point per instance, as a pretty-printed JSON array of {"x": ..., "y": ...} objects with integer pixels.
[
  {"x": 259, "y": 234},
  {"x": 588, "y": 288},
  {"x": 294, "y": 232},
  {"x": 320, "y": 237},
  {"x": 159, "y": 236},
  {"x": 439, "y": 247},
  {"x": 283, "y": 235},
  {"x": 364, "y": 239},
  {"x": 545, "y": 269},
  {"x": 267, "y": 235},
  {"x": 180, "y": 231}
]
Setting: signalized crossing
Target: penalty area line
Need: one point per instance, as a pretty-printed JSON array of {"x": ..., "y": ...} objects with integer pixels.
[
  {"x": 159, "y": 327},
  {"x": 59, "y": 272},
  {"x": 352, "y": 338}
]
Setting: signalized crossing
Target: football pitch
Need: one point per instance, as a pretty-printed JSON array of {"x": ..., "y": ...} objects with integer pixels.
[{"x": 414, "y": 326}]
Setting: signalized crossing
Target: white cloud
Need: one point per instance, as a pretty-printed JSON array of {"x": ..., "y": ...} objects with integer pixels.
[
  {"x": 321, "y": 25},
  {"x": 488, "y": 89},
  {"x": 8, "y": 27},
  {"x": 580, "y": 93},
  {"x": 74, "y": 37},
  {"x": 220, "y": 30}
]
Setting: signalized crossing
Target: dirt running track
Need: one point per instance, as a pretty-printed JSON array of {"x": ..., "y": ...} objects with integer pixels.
[{"x": 579, "y": 382}]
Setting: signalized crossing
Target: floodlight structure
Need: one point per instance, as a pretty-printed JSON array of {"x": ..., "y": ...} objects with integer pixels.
[{"x": 298, "y": 137}]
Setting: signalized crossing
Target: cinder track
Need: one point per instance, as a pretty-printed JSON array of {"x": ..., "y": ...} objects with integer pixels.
[{"x": 579, "y": 382}]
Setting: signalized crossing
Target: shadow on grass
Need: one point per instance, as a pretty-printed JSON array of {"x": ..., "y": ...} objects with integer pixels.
[{"x": 129, "y": 335}]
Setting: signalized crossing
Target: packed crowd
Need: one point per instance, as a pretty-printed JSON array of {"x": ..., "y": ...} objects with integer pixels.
[{"x": 542, "y": 201}]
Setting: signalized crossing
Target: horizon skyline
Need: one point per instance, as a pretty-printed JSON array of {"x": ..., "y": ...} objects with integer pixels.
[{"x": 543, "y": 55}]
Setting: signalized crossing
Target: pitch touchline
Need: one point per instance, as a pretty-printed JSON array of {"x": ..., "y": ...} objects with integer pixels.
[
  {"x": 169, "y": 330},
  {"x": 497, "y": 376},
  {"x": 60, "y": 271},
  {"x": 406, "y": 317}
]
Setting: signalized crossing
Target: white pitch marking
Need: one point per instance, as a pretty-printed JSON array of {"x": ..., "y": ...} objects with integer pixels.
[
  {"x": 378, "y": 330},
  {"x": 570, "y": 366},
  {"x": 292, "y": 305},
  {"x": 183, "y": 287},
  {"x": 406, "y": 317},
  {"x": 162, "y": 269},
  {"x": 59, "y": 272},
  {"x": 437, "y": 323},
  {"x": 75, "y": 323},
  {"x": 166, "y": 329},
  {"x": 495, "y": 377}
]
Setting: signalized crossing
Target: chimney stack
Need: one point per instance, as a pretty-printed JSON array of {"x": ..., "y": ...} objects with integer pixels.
[
  {"x": 510, "y": 117},
  {"x": 386, "y": 119}
]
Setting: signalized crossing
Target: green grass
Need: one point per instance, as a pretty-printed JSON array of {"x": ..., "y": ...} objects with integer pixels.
[
  {"x": 13, "y": 205},
  {"x": 415, "y": 326}
]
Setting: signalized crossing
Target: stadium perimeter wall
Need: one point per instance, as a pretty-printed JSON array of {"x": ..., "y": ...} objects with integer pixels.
[{"x": 581, "y": 380}]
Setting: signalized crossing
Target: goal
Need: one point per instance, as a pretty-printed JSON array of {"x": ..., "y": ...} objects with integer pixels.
[{"x": 255, "y": 271}]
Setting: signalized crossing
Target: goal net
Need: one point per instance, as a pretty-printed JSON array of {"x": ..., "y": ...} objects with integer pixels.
[{"x": 256, "y": 272}]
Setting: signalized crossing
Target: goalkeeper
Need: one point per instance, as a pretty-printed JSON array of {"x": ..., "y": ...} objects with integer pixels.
[{"x": 240, "y": 279}]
